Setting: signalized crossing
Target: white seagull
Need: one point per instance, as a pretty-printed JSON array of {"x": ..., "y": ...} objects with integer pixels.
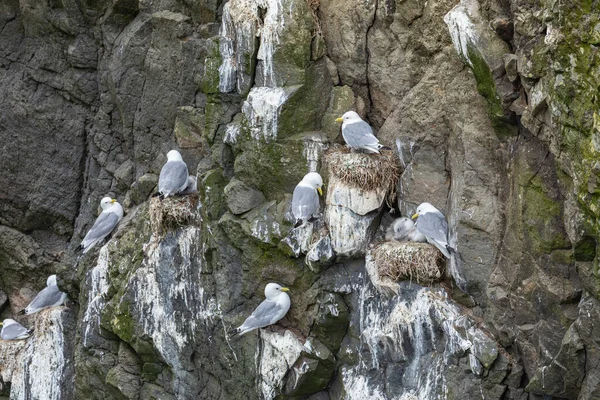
[
  {"x": 432, "y": 223},
  {"x": 49, "y": 297},
  {"x": 358, "y": 134},
  {"x": 271, "y": 310},
  {"x": 111, "y": 214},
  {"x": 305, "y": 200},
  {"x": 173, "y": 175},
  {"x": 12, "y": 330}
]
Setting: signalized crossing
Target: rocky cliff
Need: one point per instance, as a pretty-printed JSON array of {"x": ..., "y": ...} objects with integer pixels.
[{"x": 491, "y": 108}]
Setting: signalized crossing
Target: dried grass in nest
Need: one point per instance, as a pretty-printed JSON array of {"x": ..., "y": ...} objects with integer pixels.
[
  {"x": 418, "y": 262},
  {"x": 173, "y": 212},
  {"x": 365, "y": 171}
]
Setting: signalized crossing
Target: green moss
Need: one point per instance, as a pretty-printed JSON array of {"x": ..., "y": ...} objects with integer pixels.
[
  {"x": 274, "y": 168},
  {"x": 211, "y": 78},
  {"x": 211, "y": 194},
  {"x": 541, "y": 215},
  {"x": 150, "y": 371},
  {"x": 585, "y": 249},
  {"x": 487, "y": 88},
  {"x": 122, "y": 323},
  {"x": 212, "y": 117}
]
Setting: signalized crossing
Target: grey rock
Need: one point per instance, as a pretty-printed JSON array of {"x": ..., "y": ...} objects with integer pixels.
[
  {"x": 510, "y": 65},
  {"x": 241, "y": 197},
  {"x": 142, "y": 188},
  {"x": 93, "y": 95},
  {"x": 3, "y": 300},
  {"x": 320, "y": 255}
]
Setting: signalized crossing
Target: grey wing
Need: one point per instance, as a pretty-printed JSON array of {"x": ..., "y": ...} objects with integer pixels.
[
  {"x": 359, "y": 134},
  {"x": 104, "y": 225},
  {"x": 263, "y": 315},
  {"x": 434, "y": 227},
  {"x": 46, "y": 298},
  {"x": 13, "y": 331},
  {"x": 173, "y": 177},
  {"x": 305, "y": 202}
]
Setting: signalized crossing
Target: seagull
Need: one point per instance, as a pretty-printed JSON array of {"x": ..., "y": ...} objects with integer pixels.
[
  {"x": 358, "y": 134},
  {"x": 49, "y": 297},
  {"x": 305, "y": 200},
  {"x": 404, "y": 230},
  {"x": 12, "y": 330},
  {"x": 173, "y": 175},
  {"x": 111, "y": 214},
  {"x": 271, "y": 310},
  {"x": 432, "y": 223}
]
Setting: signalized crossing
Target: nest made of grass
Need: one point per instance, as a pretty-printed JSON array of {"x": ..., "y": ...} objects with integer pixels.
[
  {"x": 365, "y": 171},
  {"x": 173, "y": 212},
  {"x": 417, "y": 262}
]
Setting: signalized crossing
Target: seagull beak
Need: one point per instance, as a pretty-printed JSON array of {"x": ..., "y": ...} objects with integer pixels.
[
  {"x": 415, "y": 216},
  {"x": 339, "y": 119},
  {"x": 113, "y": 200},
  {"x": 284, "y": 289},
  {"x": 320, "y": 191},
  {"x": 1, "y": 323}
]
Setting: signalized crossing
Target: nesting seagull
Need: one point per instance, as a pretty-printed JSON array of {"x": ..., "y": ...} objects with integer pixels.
[
  {"x": 432, "y": 223},
  {"x": 173, "y": 175},
  {"x": 305, "y": 200},
  {"x": 271, "y": 310},
  {"x": 357, "y": 134},
  {"x": 12, "y": 330},
  {"x": 49, "y": 297},
  {"x": 111, "y": 214},
  {"x": 404, "y": 230}
]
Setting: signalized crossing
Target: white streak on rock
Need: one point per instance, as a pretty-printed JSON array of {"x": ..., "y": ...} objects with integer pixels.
[
  {"x": 227, "y": 69},
  {"x": 262, "y": 108},
  {"x": 462, "y": 30},
  {"x": 98, "y": 278},
  {"x": 169, "y": 299},
  {"x": 231, "y": 134},
  {"x": 279, "y": 353},
  {"x": 42, "y": 369}
]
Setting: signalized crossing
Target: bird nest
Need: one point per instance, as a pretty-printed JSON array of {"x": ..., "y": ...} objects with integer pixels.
[
  {"x": 173, "y": 212},
  {"x": 417, "y": 262},
  {"x": 365, "y": 171}
]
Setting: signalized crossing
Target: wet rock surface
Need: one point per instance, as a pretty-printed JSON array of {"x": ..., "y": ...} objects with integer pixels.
[{"x": 492, "y": 112}]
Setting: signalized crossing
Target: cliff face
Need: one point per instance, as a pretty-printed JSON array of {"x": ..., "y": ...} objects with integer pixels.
[{"x": 491, "y": 108}]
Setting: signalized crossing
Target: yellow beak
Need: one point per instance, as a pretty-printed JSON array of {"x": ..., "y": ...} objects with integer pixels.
[
  {"x": 113, "y": 200},
  {"x": 415, "y": 216},
  {"x": 320, "y": 191},
  {"x": 284, "y": 289},
  {"x": 339, "y": 119},
  {"x": 1, "y": 323}
]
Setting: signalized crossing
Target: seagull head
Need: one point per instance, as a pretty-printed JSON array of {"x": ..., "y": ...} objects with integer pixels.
[
  {"x": 349, "y": 117},
  {"x": 424, "y": 208},
  {"x": 174, "y": 155},
  {"x": 51, "y": 280},
  {"x": 273, "y": 290},
  {"x": 107, "y": 202},
  {"x": 313, "y": 179},
  {"x": 8, "y": 322}
]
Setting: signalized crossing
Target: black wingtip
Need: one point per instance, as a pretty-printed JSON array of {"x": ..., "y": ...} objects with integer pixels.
[
  {"x": 385, "y": 148},
  {"x": 298, "y": 223},
  {"x": 30, "y": 331}
]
